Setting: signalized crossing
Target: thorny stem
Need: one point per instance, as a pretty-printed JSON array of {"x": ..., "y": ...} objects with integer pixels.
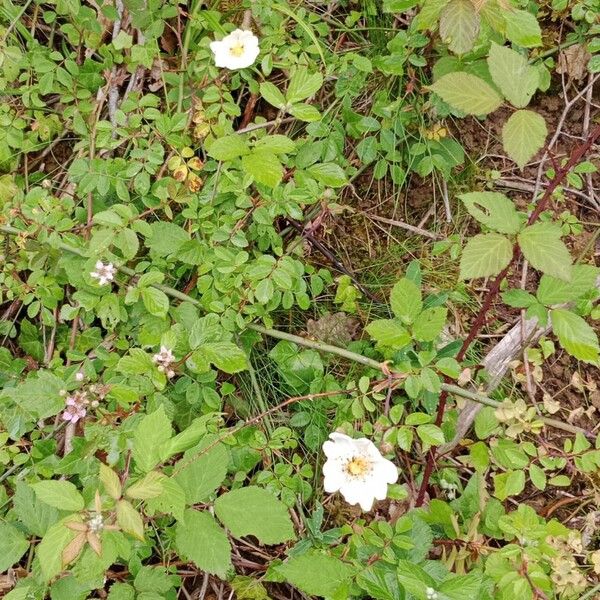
[
  {"x": 447, "y": 388},
  {"x": 561, "y": 173}
]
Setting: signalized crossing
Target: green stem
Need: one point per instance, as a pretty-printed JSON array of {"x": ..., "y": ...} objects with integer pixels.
[{"x": 307, "y": 343}]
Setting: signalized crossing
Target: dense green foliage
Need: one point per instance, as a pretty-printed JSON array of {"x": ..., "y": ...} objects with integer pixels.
[{"x": 162, "y": 408}]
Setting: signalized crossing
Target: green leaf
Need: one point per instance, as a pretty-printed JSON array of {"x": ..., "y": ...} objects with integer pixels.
[
  {"x": 35, "y": 515},
  {"x": 388, "y": 332},
  {"x": 228, "y": 147},
  {"x": 38, "y": 396},
  {"x": 226, "y": 356},
  {"x": 302, "y": 85},
  {"x": 171, "y": 499},
  {"x": 264, "y": 166},
  {"x": 50, "y": 549},
  {"x": 513, "y": 74},
  {"x": 518, "y": 298},
  {"x": 494, "y": 210},
  {"x": 111, "y": 482},
  {"x": 13, "y": 545},
  {"x": 272, "y": 94},
  {"x": 305, "y": 112},
  {"x": 467, "y": 93},
  {"x": 508, "y": 484},
  {"x": 485, "y": 255},
  {"x": 522, "y": 28},
  {"x": 201, "y": 540},
  {"x": 575, "y": 335},
  {"x": 556, "y": 291},
  {"x": 537, "y": 476},
  {"x": 460, "y": 587},
  {"x": 155, "y": 301},
  {"x": 254, "y": 511},
  {"x": 129, "y": 519},
  {"x": 166, "y": 238},
  {"x": 430, "y": 435},
  {"x": 201, "y": 471},
  {"x": 279, "y": 144},
  {"x": 328, "y": 174},
  {"x": 414, "y": 579},
  {"x": 459, "y": 26},
  {"x": 405, "y": 300},
  {"x": 316, "y": 574},
  {"x": 152, "y": 431},
  {"x": 429, "y": 324},
  {"x": 523, "y": 135},
  {"x": 59, "y": 494},
  {"x": 542, "y": 247},
  {"x": 150, "y": 486}
]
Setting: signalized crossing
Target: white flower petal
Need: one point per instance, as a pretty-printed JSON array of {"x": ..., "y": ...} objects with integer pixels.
[
  {"x": 358, "y": 493},
  {"x": 386, "y": 470},
  {"x": 333, "y": 477}
]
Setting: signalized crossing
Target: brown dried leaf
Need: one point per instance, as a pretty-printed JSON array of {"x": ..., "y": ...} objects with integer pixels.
[{"x": 73, "y": 549}]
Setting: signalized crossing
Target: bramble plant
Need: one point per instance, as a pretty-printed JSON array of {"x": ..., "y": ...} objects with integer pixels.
[{"x": 229, "y": 368}]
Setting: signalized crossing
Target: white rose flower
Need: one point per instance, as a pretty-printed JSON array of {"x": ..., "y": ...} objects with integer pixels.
[
  {"x": 357, "y": 470},
  {"x": 104, "y": 273},
  {"x": 237, "y": 50}
]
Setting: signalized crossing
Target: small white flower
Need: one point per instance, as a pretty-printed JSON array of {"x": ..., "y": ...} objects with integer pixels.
[
  {"x": 431, "y": 594},
  {"x": 104, "y": 273},
  {"x": 79, "y": 376},
  {"x": 357, "y": 470},
  {"x": 237, "y": 50},
  {"x": 96, "y": 523}
]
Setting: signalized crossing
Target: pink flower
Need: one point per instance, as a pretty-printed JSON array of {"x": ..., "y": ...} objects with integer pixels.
[
  {"x": 74, "y": 410},
  {"x": 103, "y": 273}
]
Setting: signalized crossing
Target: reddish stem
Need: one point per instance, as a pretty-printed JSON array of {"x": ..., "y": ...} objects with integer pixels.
[{"x": 576, "y": 155}]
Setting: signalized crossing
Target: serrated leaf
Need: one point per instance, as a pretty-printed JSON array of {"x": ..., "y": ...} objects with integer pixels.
[
  {"x": 13, "y": 545},
  {"x": 430, "y": 435},
  {"x": 264, "y": 166},
  {"x": 302, "y": 85},
  {"x": 200, "y": 472},
  {"x": 485, "y": 255},
  {"x": 226, "y": 356},
  {"x": 316, "y": 573},
  {"x": 405, "y": 300},
  {"x": 35, "y": 515},
  {"x": 542, "y": 247},
  {"x": 388, "y": 332},
  {"x": 254, "y": 511},
  {"x": 494, "y": 210},
  {"x": 59, "y": 494},
  {"x": 305, "y": 112},
  {"x": 459, "y": 26},
  {"x": 155, "y": 301},
  {"x": 150, "y": 486},
  {"x": 228, "y": 147},
  {"x": 111, "y": 482},
  {"x": 171, "y": 499},
  {"x": 518, "y": 298},
  {"x": 523, "y": 135},
  {"x": 328, "y": 174},
  {"x": 522, "y": 28},
  {"x": 200, "y": 539},
  {"x": 512, "y": 73},
  {"x": 537, "y": 476},
  {"x": 508, "y": 484},
  {"x": 272, "y": 94},
  {"x": 467, "y": 93},
  {"x": 129, "y": 519},
  {"x": 152, "y": 431},
  {"x": 556, "y": 291},
  {"x": 49, "y": 550},
  {"x": 575, "y": 335},
  {"x": 429, "y": 324}
]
